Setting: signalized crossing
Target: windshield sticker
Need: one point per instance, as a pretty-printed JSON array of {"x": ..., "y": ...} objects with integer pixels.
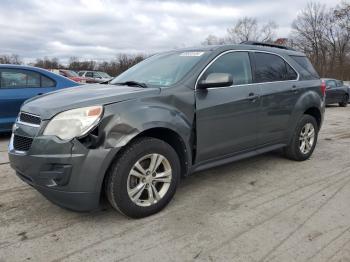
[{"x": 192, "y": 54}]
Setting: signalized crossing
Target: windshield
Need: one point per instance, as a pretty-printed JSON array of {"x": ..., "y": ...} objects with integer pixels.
[{"x": 161, "y": 70}]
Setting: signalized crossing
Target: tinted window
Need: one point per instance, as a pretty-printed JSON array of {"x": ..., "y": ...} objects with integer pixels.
[
  {"x": 270, "y": 68},
  {"x": 88, "y": 74},
  {"x": 47, "y": 82},
  {"x": 236, "y": 63},
  {"x": 12, "y": 78},
  {"x": 304, "y": 62},
  {"x": 291, "y": 74},
  {"x": 81, "y": 73}
]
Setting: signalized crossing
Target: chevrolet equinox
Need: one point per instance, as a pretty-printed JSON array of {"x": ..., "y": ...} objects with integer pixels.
[{"x": 173, "y": 114}]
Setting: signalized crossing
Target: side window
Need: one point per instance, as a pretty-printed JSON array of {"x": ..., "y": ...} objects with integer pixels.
[
  {"x": 309, "y": 70},
  {"x": 13, "y": 78},
  {"x": 88, "y": 74},
  {"x": 235, "y": 63},
  {"x": 81, "y": 73},
  {"x": 97, "y": 75},
  {"x": 331, "y": 84},
  {"x": 291, "y": 74},
  {"x": 271, "y": 68},
  {"x": 47, "y": 82},
  {"x": 339, "y": 83}
]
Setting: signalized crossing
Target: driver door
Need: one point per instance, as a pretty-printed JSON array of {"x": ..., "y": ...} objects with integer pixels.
[{"x": 227, "y": 116}]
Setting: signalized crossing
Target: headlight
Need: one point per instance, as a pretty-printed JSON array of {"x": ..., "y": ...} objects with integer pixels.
[{"x": 74, "y": 123}]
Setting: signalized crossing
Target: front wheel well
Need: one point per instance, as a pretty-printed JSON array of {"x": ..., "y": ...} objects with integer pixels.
[
  {"x": 174, "y": 140},
  {"x": 314, "y": 112}
]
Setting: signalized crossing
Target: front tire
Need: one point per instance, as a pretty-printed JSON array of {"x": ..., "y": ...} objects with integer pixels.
[
  {"x": 345, "y": 101},
  {"x": 143, "y": 179},
  {"x": 304, "y": 139}
]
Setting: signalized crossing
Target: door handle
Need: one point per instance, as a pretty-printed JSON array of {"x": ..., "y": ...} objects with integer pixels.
[
  {"x": 294, "y": 88},
  {"x": 252, "y": 97}
]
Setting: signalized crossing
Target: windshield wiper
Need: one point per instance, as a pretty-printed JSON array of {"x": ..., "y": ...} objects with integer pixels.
[{"x": 132, "y": 83}]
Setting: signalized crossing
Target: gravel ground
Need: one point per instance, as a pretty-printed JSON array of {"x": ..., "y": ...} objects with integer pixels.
[{"x": 265, "y": 208}]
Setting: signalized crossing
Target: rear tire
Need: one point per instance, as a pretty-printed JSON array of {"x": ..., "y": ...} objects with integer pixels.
[
  {"x": 345, "y": 101},
  {"x": 143, "y": 179},
  {"x": 304, "y": 139}
]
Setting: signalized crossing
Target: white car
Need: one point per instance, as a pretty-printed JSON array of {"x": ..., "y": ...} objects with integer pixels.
[{"x": 95, "y": 76}]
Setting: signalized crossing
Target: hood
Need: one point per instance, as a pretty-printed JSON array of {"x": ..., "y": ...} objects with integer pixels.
[{"x": 50, "y": 104}]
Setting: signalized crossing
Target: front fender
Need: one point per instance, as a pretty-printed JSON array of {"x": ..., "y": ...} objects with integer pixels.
[{"x": 128, "y": 119}]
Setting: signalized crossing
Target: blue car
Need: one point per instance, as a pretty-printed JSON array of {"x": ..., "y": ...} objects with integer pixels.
[{"x": 19, "y": 83}]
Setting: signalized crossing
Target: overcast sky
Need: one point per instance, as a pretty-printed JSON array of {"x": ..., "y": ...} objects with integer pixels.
[{"x": 100, "y": 29}]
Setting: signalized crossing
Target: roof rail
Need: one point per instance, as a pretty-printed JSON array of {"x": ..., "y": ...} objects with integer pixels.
[{"x": 266, "y": 45}]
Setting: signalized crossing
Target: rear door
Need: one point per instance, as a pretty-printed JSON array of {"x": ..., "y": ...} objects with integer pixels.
[
  {"x": 227, "y": 116},
  {"x": 279, "y": 92},
  {"x": 16, "y": 86}
]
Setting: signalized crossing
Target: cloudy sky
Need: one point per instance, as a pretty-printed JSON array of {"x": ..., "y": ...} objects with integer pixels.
[{"x": 100, "y": 29}]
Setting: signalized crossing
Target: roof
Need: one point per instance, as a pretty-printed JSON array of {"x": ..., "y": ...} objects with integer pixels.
[{"x": 247, "y": 46}]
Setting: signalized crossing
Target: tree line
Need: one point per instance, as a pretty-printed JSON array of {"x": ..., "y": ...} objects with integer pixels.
[
  {"x": 323, "y": 34},
  {"x": 113, "y": 67}
]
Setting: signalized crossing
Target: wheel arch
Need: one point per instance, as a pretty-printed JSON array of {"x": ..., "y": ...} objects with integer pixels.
[{"x": 166, "y": 134}]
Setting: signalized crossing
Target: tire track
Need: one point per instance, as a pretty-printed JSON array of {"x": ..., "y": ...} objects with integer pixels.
[
  {"x": 229, "y": 240},
  {"x": 304, "y": 222},
  {"x": 301, "y": 187},
  {"x": 330, "y": 242},
  {"x": 337, "y": 252}
]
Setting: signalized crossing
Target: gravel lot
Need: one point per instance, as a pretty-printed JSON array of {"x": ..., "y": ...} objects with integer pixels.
[{"x": 266, "y": 208}]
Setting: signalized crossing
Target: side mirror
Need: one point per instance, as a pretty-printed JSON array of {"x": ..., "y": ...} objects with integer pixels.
[{"x": 216, "y": 80}]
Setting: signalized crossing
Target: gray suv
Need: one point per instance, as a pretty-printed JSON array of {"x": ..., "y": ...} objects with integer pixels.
[{"x": 171, "y": 115}]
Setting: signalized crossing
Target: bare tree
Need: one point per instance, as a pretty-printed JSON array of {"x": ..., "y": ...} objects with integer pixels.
[
  {"x": 10, "y": 59},
  {"x": 309, "y": 29},
  {"x": 324, "y": 35},
  {"x": 48, "y": 63},
  {"x": 248, "y": 29},
  {"x": 213, "y": 40}
]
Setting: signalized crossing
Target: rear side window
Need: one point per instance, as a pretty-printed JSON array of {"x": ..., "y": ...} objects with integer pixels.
[
  {"x": 47, "y": 82},
  {"x": 271, "y": 68},
  {"x": 236, "y": 63},
  {"x": 304, "y": 62},
  {"x": 16, "y": 78}
]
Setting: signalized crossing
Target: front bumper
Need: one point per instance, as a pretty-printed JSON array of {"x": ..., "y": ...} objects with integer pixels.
[{"x": 67, "y": 173}]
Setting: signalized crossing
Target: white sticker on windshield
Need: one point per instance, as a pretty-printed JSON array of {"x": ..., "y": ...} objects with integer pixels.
[{"x": 192, "y": 54}]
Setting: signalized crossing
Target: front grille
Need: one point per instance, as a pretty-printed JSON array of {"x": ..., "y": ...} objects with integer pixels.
[
  {"x": 22, "y": 143},
  {"x": 30, "y": 119}
]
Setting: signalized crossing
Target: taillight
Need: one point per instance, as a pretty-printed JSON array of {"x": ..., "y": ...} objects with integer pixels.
[{"x": 323, "y": 88}]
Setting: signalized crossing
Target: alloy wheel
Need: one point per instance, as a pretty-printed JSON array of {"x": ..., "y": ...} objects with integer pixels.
[
  {"x": 149, "y": 180},
  {"x": 306, "y": 138}
]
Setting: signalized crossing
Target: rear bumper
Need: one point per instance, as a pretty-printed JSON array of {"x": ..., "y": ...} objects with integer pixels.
[{"x": 66, "y": 173}]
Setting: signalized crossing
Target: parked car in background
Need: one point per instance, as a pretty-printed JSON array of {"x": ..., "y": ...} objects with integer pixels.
[
  {"x": 172, "y": 114},
  {"x": 72, "y": 75},
  {"x": 19, "y": 83},
  {"x": 95, "y": 76},
  {"x": 336, "y": 92}
]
